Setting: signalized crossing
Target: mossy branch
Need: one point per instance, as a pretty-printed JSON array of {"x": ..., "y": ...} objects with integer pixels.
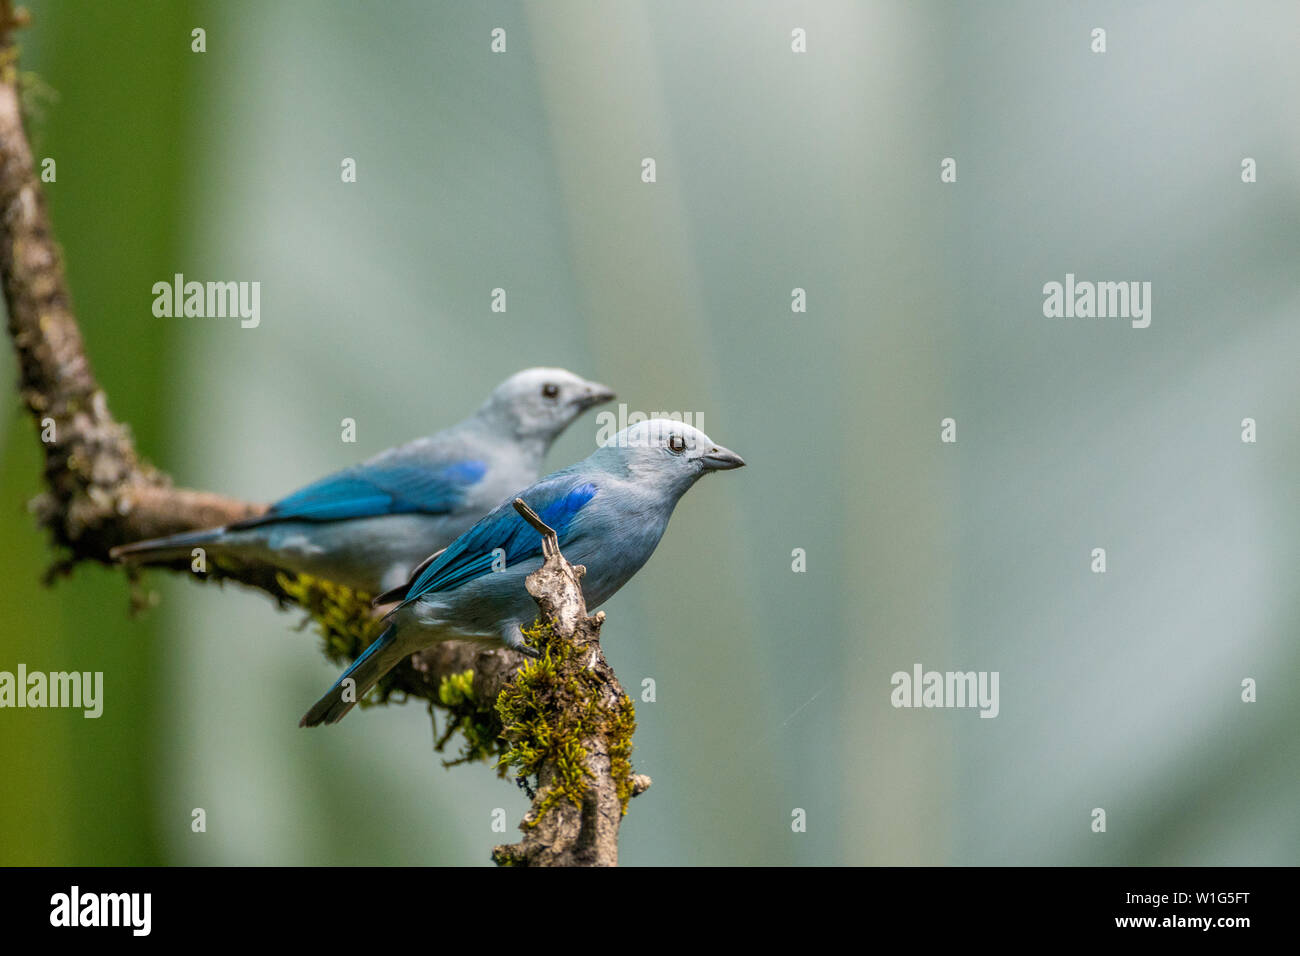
[
  {"x": 569, "y": 726},
  {"x": 98, "y": 492}
]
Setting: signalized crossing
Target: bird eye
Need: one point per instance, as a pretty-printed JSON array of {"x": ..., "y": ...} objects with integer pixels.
[
  {"x": 676, "y": 444},
  {"x": 550, "y": 390}
]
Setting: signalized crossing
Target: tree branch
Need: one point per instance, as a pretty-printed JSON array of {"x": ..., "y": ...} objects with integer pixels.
[
  {"x": 572, "y": 697},
  {"x": 98, "y": 492}
]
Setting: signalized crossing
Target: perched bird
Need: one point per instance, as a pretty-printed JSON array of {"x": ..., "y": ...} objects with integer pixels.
[
  {"x": 368, "y": 525},
  {"x": 608, "y": 511}
]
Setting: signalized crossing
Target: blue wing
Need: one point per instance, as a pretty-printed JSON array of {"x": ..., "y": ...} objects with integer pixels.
[
  {"x": 556, "y": 500},
  {"x": 367, "y": 491}
]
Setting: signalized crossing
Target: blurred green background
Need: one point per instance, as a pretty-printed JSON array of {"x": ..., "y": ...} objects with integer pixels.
[{"x": 521, "y": 170}]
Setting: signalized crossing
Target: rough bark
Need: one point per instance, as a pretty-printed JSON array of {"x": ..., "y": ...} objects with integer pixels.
[{"x": 98, "y": 493}]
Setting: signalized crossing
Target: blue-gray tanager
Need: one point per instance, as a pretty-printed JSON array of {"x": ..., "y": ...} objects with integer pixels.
[
  {"x": 608, "y": 511},
  {"x": 369, "y": 525}
]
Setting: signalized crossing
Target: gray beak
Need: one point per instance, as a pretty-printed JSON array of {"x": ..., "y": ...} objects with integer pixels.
[
  {"x": 722, "y": 459},
  {"x": 594, "y": 394}
]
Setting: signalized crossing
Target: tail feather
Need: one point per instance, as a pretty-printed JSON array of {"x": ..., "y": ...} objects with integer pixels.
[
  {"x": 162, "y": 549},
  {"x": 376, "y": 661}
]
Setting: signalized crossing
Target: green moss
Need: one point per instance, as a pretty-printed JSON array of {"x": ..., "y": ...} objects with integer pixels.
[
  {"x": 538, "y": 720},
  {"x": 476, "y": 720},
  {"x": 456, "y": 689},
  {"x": 505, "y": 856},
  {"x": 551, "y": 706},
  {"x": 622, "y": 727},
  {"x": 343, "y": 617}
]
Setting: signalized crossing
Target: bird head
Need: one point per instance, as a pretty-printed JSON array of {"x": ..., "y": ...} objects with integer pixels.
[
  {"x": 670, "y": 454},
  {"x": 539, "y": 403}
]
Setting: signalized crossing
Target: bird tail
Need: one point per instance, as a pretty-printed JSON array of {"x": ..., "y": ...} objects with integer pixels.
[
  {"x": 164, "y": 549},
  {"x": 376, "y": 661}
]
